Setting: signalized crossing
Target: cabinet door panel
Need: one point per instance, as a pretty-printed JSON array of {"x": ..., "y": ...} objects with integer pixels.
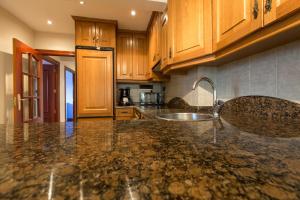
[
  {"x": 124, "y": 56},
  {"x": 234, "y": 20},
  {"x": 164, "y": 43},
  {"x": 276, "y": 9},
  {"x": 106, "y": 34},
  {"x": 140, "y": 67},
  {"x": 191, "y": 28},
  {"x": 85, "y": 33},
  {"x": 94, "y": 83}
]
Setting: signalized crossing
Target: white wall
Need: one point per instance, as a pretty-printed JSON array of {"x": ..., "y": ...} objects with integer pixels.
[
  {"x": 54, "y": 41},
  {"x": 275, "y": 73},
  {"x": 12, "y": 27},
  {"x": 2, "y": 88}
]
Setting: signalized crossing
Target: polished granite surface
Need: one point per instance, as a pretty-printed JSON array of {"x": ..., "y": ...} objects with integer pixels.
[{"x": 150, "y": 159}]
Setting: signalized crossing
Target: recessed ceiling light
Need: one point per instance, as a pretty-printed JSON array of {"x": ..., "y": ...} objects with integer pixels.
[
  {"x": 49, "y": 22},
  {"x": 81, "y": 2},
  {"x": 133, "y": 12}
]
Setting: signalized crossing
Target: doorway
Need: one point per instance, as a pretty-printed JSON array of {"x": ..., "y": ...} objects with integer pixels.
[
  {"x": 69, "y": 94},
  {"x": 51, "y": 89},
  {"x": 28, "y": 84}
]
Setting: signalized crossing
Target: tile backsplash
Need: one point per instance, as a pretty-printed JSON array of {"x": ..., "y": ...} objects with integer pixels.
[
  {"x": 135, "y": 89},
  {"x": 274, "y": 73}
]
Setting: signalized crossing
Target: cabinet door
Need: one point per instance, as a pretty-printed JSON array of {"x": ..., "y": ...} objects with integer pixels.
[
  {"x": 234, "y": 20},
  {"x": 105, "y": 35},
  {"x": 276, "y": 9},
  {"x": 191, "y": 28},
  {"x": 124, "y": 56},
  {"x": 140, "y": 67},
  {"x": 164, "y": 42},
  {"x": 94, "y": 83},
  {"x": 157, "y": 37},
  {"x": 85, "y": 33},
  {"x": 152, "y": 47}
]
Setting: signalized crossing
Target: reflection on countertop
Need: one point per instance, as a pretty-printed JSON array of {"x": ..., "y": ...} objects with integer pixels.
[{"x": 147, "y": 159}]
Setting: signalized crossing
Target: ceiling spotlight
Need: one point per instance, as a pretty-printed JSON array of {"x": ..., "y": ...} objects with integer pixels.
[
  {"x": 133, "y": 12},
  {"x": 49, "y": 22},
  {"x": 81, "y": 2}
]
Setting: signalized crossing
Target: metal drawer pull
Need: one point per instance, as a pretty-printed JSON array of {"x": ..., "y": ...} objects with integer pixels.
[
  {"x": 268, "y": 6},
  {"x": 255, "y": 9}
]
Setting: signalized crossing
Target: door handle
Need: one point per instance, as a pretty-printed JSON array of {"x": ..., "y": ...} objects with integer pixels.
[
  {"x": 20, "y": 101},
  {"x": 255, "y": 9}
]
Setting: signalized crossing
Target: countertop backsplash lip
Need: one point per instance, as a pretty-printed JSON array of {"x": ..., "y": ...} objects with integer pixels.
[{"x": 262, "y": 107}]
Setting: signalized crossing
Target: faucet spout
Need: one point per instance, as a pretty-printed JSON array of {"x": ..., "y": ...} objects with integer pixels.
[{"x": 215, "y": 102}]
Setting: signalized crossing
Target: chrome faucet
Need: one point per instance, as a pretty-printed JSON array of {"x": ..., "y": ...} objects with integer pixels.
[{"x": 216, "y": 106}]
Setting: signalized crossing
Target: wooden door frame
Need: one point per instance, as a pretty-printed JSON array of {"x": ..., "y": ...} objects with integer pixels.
[
  {"x": 74, "y": 92},
  {"x": 19, "y": 46},
  {"x": 56, "y": 64}
]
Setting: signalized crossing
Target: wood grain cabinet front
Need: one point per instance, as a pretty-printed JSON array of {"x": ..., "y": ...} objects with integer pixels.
[
  {"x": 94, "y": 83},
  {"x": 124, "y": 56},
  {"x": 132, "y": 56},
  {"x": 277, "y": 9},
  {"x": 191, "y": 28},
  {"x": 234, "y": 20},
  {"x": 95, "y": 34},
  {"x": 85, "y": 33}
]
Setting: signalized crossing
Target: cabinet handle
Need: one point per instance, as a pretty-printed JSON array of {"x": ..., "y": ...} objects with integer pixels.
[
  {"x": 170, "y": 53},
  {"x": 268, "y": 6},
  {"x": 154, "y": 58},
  {"x": 255, "y": 9}
]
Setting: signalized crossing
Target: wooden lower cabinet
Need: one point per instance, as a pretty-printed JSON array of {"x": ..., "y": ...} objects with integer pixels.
[
  {"x": 94, "y": 83},
  {"x": 125, "y": 113}
]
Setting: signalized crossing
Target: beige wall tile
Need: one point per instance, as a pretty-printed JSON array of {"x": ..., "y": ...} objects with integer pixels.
[
  {"x": 288, "y": 58},
  {"x": 275, "y": 73}
]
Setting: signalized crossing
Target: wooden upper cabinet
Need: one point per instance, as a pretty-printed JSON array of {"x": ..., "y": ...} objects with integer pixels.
[
  {"x": 85, "y": 33},
  {"x": 94, "y": 83},
  {"x": 95, "y": 32},
  {"x": 234, "y": 20},
  {"x": 164, "y": 41},
  {"x": 124, "y": 56},
  {"x": 105, "y": 35},
  {"x": 140, "y": 56},
  {"x": 154, "y": 34},
  {"x": 191, "y": 28},
  {"x": 276, "y": 9},
  {"x": 132, "y": 56}
]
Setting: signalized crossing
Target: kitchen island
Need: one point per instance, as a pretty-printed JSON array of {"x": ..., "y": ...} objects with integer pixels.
[{"x": 149, "y": 159}]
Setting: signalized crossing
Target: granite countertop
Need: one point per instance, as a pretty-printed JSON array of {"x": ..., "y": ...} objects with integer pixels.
[{"x": 230, "y": 158}]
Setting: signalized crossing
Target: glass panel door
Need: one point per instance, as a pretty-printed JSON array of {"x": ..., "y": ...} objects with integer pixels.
[
  {"x": 29, "y": 99},
  {"x": 27, "y": 83}
]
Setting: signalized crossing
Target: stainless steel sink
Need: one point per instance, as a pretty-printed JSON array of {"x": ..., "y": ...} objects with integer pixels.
[{"x": 184, "y": 117}]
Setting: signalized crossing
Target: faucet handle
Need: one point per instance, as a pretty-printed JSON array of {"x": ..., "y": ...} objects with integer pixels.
[{"x": 216, "y": 108}]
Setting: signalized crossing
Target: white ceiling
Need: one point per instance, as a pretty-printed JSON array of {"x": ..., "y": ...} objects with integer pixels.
[{"x": 35, "y": 13}]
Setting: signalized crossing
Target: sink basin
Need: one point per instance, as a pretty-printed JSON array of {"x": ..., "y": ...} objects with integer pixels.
[{"x": 184, "y": 117}]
